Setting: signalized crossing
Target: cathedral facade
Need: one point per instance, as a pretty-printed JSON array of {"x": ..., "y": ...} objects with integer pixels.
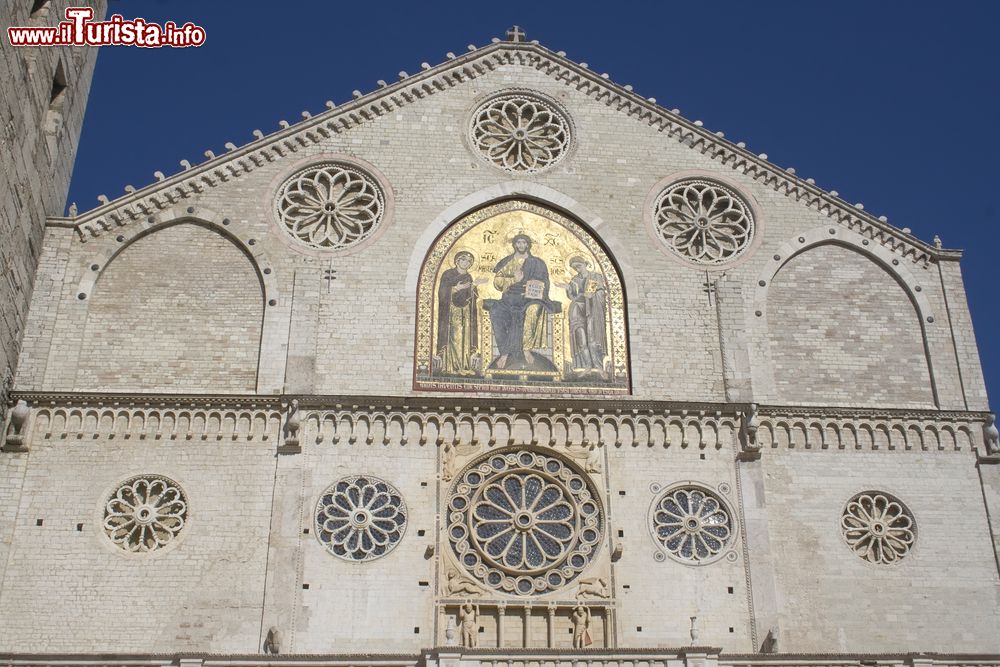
[{"x": 498, "y": 363}]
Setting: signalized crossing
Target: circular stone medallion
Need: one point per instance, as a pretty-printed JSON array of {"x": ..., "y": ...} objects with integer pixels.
[
  {"x": 145, "y": 513},
  {"x": 360, "y": 518},
  {"x": 692, "y": 524},
  {"x": 524, "y": 522},
  {"x": 330, "y": 206},
  {"x": 703, "y": 222},
  {"x": 519, "y": 132},
  {"x": 878, "y": 527}
]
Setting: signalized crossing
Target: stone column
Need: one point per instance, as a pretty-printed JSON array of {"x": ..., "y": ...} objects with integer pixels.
[
  {"x": 501, "y": 613},
  {"x": 552, "y": 625},
  {"x": 527, "y": 626}
]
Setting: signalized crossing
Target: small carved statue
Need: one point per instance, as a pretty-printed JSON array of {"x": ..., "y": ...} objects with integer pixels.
[
  {"x": 770, "y": 643},
  {"x": 448, "y": 463},
  {"x": 581, "y": 627},
  {"x": 73, "y": 210},
  {"x": 468, "y": 614},
  {"x": 456, "y": 585},
  {"x": 991, "y": 437},
  {"x": 16, "y": 433},
  {"x": 694, "y": 629},
  {"x": 449, "y": 633},
  {"x": 292, "y": 424},
  {"x": 594, "y": 459},
  {"x": 272, "y": 643},
  {"x": 593, "y": 587},
  {"x": 750, "y": 422}
]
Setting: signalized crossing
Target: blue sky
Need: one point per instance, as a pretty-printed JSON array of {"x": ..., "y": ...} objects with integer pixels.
[{"x": 892, "y": 104}]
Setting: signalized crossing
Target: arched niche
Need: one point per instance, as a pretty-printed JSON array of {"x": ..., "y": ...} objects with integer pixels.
[
  {"x": 843, "y": 330},
  {"x": 518, "y": 297},
  {"x": 180, "y": 309}
]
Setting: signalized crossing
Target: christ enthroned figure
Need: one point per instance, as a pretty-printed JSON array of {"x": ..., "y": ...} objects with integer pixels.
[{"x": 518, "y": 316}]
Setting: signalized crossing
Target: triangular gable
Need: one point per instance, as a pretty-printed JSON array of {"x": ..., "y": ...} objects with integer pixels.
[{"x": 169, "y": 191}]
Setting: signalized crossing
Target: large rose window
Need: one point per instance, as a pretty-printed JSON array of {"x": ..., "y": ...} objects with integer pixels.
[
  {"x": 692, "y": 524},
  {"x": 520, "y": 133},
  {"x": 330, "y": 206},
  {"x": 360, "y": 518},
  {"x": 524, "y": 522},
  {"x": 703, "y": 222},
  {"x": 878, "y": 527},
  {"x": 145, "y": 513}
]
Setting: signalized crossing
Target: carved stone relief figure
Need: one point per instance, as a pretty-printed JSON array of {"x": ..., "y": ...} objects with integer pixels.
[
  {"x": 457, "y": 585},
  {"x": 596, "y": 587},
  {"x": 468, "y": 615},
  {"x": 581, "y": 627},
  {"x": 448, "y": 463}
]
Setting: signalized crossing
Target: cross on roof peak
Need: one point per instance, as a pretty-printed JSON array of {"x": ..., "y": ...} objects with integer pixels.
[{"x": 515, "y": 34}]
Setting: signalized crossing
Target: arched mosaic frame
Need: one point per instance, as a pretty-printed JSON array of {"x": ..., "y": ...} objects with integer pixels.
[{"x": 617, "y": 366}]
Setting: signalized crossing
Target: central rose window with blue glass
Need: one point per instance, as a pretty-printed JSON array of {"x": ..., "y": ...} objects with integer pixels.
[{"x": 524, "y": 522}]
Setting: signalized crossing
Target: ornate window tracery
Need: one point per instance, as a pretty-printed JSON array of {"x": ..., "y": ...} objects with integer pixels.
[
  {"x": 692, "y": 524},
  {"x": 878, "y": 527},
  {"x": 360, "y": 518},
  {"x": 145, "y": 513},
  {"x": 520, "y": 133},
  {"x": 703, "y": 222},
  {"x": 524, "y": 522},
  {"x": 330, "y": 206}
]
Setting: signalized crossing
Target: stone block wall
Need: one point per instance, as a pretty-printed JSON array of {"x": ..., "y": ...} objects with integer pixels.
[
  {"x": 181, "y": 308},
  {"x": 41, "y": 114},
  {"x": 831, "y": 599}
]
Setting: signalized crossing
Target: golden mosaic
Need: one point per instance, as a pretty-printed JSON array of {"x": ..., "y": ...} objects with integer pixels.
[{"x": 517, "y": 297}]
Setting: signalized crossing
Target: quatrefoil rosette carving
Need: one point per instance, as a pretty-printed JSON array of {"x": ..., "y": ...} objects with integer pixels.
[
  {"x": 524, "y": 522},
  {"x": 145, "y": 513},
  {"x": 330, "y": 206},
  {"x": 360, "y": 518},
  {"x": 703, "y": 222},
  {"x": 520, "y": 132},
  {"x": 878, "y": 527},
  {"x": 691, "y": 524}
]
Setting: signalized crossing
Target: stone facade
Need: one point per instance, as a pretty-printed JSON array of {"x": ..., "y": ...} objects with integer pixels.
[
  {"x": 209, "y": 372},
  {"x": 42, "y": 114}
]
